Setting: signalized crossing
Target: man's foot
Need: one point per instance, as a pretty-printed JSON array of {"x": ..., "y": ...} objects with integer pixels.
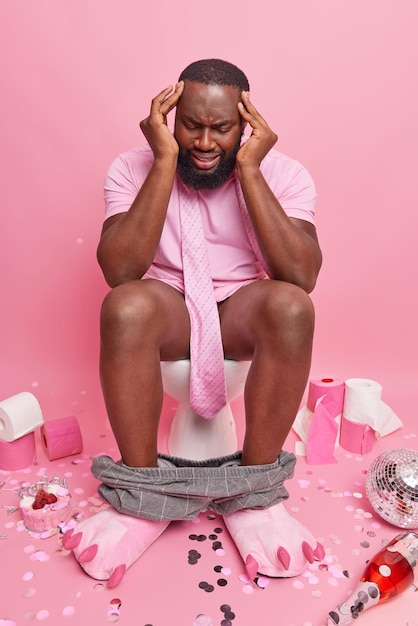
[
  {"x": 106, "y": 544},
  {"x": 273, "y": 543}
]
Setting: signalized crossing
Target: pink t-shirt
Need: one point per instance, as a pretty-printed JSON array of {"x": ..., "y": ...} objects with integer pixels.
[{"x": 232, "y": 259}]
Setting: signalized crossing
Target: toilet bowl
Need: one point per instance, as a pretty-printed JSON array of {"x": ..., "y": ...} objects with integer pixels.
[{"x": 191, "y": 436}]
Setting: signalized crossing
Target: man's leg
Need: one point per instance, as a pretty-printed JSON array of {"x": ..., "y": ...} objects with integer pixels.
[
  {"x": 271, "y": 323},
  {"x": 142, "y": 323}
]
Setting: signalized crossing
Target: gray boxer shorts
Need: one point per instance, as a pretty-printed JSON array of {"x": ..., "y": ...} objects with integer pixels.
[{"x": 180, "y": 489}]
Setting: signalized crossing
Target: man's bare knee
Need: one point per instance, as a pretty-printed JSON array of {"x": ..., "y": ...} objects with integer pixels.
[
  {"x": 147, "y": 311},
  {"x": 126, "y": 305},
  {"x": 292, "y": 306}
]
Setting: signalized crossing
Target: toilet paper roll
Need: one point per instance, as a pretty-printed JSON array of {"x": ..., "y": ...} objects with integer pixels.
[
  {"x": 62, "y": 437},
  {"x": 18, "y": 454},
  {"x": 19, "y": 415},
  {"x": 365, "y": 416},
  {"x": 330, "y": 388},
  {"x": 317, "y": 423}
]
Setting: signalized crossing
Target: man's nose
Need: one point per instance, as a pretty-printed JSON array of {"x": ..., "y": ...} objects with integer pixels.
[{"x": 204, "y": 141}]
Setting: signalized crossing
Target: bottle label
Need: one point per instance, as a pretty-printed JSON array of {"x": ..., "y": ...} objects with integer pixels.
[{"x": 365, "y": 595}]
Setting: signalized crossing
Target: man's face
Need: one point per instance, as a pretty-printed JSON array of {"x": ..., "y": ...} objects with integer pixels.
[{"x": 208, "y": 129}]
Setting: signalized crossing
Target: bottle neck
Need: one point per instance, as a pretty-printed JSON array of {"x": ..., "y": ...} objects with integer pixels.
[
  {"x": 406, "y": 544},
  {"x": 365, "y": 596}
]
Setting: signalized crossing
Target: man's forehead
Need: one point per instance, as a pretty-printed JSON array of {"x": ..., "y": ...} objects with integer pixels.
[{"x": 209, "y": 100}]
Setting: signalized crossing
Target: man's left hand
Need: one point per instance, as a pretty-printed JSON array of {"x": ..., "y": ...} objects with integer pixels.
[{"x": 262, "y": 138}]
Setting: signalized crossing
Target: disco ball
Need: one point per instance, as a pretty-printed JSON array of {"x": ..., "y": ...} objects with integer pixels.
[{"x": 392, "y": 487}]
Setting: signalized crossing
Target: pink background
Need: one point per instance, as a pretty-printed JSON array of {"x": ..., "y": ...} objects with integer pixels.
[{"x": 336, "y": 81}]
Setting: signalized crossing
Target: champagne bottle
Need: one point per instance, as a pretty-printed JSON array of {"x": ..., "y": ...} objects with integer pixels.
[{"x": 388, "y": 573}]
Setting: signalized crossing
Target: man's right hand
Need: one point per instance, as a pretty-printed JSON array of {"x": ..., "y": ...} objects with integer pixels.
[{"x": 154, "y": 127}]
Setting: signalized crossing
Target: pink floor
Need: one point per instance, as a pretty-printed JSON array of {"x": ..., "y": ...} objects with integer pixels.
[{"x": 42, "y": 583}]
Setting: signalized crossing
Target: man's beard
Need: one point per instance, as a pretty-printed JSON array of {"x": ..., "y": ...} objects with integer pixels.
[{"x": 202, "y": 180}]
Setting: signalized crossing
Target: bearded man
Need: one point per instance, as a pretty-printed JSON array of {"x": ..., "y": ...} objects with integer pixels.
[{"x": 256, "y": 211}]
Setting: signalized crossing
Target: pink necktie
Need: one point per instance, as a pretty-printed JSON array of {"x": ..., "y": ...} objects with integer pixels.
[{"x": 207, "y": 376}]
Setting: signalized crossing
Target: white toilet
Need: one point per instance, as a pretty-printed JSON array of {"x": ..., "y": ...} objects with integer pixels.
[{"x": 191, "y": 436}]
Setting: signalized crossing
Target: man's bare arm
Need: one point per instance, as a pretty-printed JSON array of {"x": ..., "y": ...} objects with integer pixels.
[
  {"x": 289, "y": 246},
  {"x": 129, "y": 240}
]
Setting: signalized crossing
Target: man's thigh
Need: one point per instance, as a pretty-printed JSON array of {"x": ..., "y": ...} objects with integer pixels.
[
  {"x": 238, "y": 314},
  {"x": 170, "y": 317},
  {"x": 265, "y": 310}
]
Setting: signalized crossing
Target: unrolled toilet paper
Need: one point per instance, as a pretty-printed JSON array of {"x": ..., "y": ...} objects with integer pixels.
[
  {"x": 18, "y": 454},
  {"x": 19, "y": 415},
  {"x": 317, "y": 423},
  {"x": 365, "y": 416},
  {"x": 356, "y": 437},
  {"x": 62, "y": 437}
]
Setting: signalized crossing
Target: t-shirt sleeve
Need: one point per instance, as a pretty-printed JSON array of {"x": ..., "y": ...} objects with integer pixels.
[
  {"x": 299, "y": 194},
  {"x": 120, "y": 189},
  {"x": 124, "y": 178},
  {"x": 293, "y": 186}
]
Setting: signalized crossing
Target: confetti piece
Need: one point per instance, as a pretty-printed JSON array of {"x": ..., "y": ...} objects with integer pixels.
[
  {"x": 313, "y": 580},
  {"x": 43, "y": 614},
  {"x": 297, "y": 584},
  {"x": 202, "y": 620},
  {"x": 113, "y": 616},
  {"x": 68, "y": 611},
  {"x": 244, "y": 578},
  {"x": 116, "y": 603},
  {"x": 39, "y": 555},
  {"x": 335, "y": 539}
]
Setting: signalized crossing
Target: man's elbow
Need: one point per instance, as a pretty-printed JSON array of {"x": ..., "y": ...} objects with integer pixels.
[
  {"x": 114, "y": 273},
  {"x": 309, "y": 284},
  {"x": 308, "y": 279}
]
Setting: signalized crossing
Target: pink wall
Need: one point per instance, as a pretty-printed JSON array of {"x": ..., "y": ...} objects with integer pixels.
[{"x": 335, "y": 79}]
